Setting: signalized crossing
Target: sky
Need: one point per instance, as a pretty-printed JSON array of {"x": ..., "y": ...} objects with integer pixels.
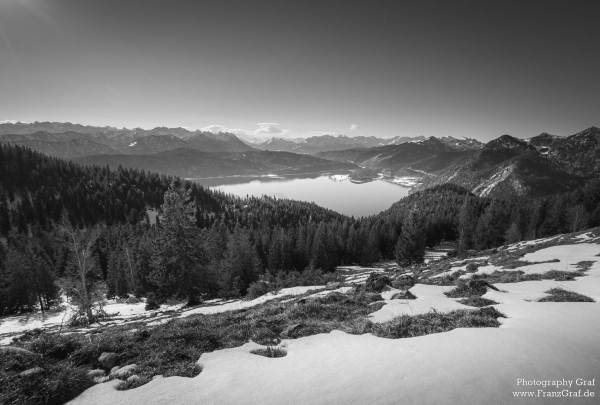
[{"x": 478, "y": 69}]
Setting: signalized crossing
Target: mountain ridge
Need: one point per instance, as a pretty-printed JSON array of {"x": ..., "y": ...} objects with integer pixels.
[{"x": 190, "y": 163}]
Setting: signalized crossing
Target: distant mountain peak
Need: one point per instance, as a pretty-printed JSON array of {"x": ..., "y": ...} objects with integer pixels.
[{"x": 507, "y": 142}]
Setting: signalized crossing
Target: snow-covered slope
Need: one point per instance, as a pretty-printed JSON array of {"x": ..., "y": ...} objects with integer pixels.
[{"x": 538, "y": 341}]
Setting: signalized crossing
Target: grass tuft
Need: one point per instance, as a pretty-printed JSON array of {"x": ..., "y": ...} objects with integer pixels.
[
  {"x": 476, "y": 301},
  {"x": 270, "y": 352},
  {"x": 406, "y": 326},
  {"x": 561, "y": 295},
  {"x": 57, "y": 384}
]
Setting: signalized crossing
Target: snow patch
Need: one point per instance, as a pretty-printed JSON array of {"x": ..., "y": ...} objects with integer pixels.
[{"x": 467, "y": 366}]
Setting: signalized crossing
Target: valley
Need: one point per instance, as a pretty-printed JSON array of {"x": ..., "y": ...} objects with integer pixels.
[
  {"x": 537, "y": 166},
  {"x": 335, "y": 191}
]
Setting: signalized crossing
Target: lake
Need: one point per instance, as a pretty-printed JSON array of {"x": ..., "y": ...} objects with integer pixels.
[{"x": 335, "y": 192}]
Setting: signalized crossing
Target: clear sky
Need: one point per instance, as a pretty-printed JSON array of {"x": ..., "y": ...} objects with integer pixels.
[{"x": 292, "y": 68}]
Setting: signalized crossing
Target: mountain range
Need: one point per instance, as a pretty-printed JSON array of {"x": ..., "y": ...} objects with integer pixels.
[
  {"x": 191, "y": 163},
  {"x": 327, "y": 143},
  {"x": 541, "y": 165},
  {"x": 77, "y": 144}
]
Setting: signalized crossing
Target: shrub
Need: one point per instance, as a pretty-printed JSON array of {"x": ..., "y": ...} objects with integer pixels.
[
  {"x": 152, "y": 302},
  {"x": 472, "y": 267},
  {"x": 257, "y": 289},
  {"x": 377, "y": 282},
  {"x": 407, "y": 295},
  {"x": 467, "y": 288},
  {"x": 57, "y": 384}
]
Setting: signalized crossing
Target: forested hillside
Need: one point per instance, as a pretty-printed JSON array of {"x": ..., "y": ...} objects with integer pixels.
[{"x": 205, "y": 243}]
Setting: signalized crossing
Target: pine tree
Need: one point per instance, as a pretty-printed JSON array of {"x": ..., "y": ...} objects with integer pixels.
[
  {"x": 491, "y": 226},
  {"x": 371, "y": 252},
  {"x": 241, "y": 265},
  {"x": 116, "y": 280},
  {"x": 410, "y": 248},
  {"x": 466, "y": 225},
  {"x": 5, "y": 226},
  {"x": 322, "y": 251},
  {"x": 178, "y": 258},
  {"x": 512, "y": 235}
]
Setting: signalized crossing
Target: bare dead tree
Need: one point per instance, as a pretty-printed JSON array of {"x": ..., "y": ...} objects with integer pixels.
[{"x": 80, "y": 243}]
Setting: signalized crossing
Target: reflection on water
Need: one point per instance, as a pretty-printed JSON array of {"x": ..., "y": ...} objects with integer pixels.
[{"x": 341, "y": 196}]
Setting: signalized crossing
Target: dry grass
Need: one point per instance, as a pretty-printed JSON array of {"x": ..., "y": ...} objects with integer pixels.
[
  {"x": 270, "y": 351},
  {"x": 476, "y": 301},
  {"x": 174, "y": 347},
  {"x": 561, "y": 295}
]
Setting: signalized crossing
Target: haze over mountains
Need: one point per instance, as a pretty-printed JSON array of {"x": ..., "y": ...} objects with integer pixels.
[
  {"x": 328, "y": 143},
  {"x": 174, "y": 151},
  {"x": 190, "y": 163},
  {"x": 109, "y": 140},
  {"x": 541, "y": 165}
]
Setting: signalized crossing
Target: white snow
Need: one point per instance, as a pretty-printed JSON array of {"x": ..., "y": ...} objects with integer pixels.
[
  {"x": 132, "y": 143},
  {"x": 518, "y": 245},
  {"x": 429, "y": 298},
  {"x": 568, "y": 255},
  {"x": 537, "y": 341},
  {"x": 339, "y": 177},
  {"x": 22, "y": 323},
  {"x": 486, "y": 187},
  {"x": 241, "y": 304},
  {"x": 405, "y": 181},
  {"x": 482, "y": 270}
]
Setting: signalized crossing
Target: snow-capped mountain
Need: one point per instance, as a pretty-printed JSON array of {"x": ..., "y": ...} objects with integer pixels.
[
  {"x": 58, "y": 139},
  {"x": 326, "y": 143}
]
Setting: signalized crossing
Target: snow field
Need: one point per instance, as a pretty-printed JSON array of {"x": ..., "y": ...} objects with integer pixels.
[{"x": 467, "y": 366}]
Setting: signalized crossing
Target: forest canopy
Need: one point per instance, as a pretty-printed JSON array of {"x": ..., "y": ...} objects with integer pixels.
[{"x": 206, "y": 243}]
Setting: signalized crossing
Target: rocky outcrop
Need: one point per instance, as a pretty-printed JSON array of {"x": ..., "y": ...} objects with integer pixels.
[
  {"x": 124, "y": 371},
  {"x": 377, "y": 282},
  {"x": 108, "y": 359}
]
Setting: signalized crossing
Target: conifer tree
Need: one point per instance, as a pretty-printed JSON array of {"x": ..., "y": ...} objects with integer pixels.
[
  {"x": 491, "y": 226},
  {"x": 322, "y": 251},
  {"x": 466, "y": 226},
  {"x": 241, "y": 265},
  {"x": 512, "y": 235},
  {"x": 5, "y": 226},
  {"x": 178, "y": 258},
  {"x": 410, "y": 248}
]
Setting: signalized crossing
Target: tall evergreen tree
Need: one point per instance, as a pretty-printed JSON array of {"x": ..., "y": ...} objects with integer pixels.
[
  {"x": 241, "y": 265},
  {"x": 491, "y": 226},
  {"x": 178, "y": 258},
  {"x": 410, "y": 248},
  {"x": 467, "y": 221},
  {"x": 322, "y": 250},
  {"x": 5, "y": 226}
]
